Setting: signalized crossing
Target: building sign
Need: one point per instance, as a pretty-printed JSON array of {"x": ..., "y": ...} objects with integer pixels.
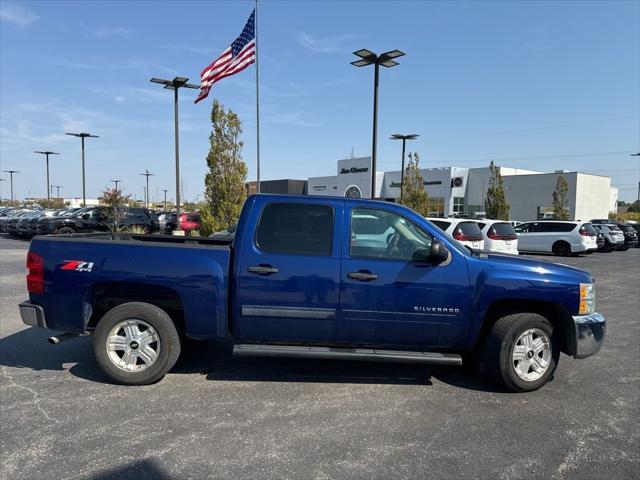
[
  {"x": 434, "y": 182},
  {"x": 354, "y": 170},
  {"x": 456, "y": 182}
]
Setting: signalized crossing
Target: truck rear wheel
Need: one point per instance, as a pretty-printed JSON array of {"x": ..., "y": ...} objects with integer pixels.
[
  {"x": 521, "y": 352},
  {"x": 136, "y": 343}
]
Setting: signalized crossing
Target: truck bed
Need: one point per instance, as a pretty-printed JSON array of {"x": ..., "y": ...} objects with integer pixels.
[{"x": 185, "y": 274}]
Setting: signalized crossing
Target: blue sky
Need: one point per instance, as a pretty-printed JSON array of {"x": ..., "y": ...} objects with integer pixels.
[{"x": 539, "y": 85}]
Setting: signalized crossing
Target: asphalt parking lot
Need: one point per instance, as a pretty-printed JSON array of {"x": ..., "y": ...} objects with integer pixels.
[{"x": 216, "y": 416}]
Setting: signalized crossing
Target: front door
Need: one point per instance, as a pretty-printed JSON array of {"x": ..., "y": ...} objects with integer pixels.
[
  {"x": 288, "y": 278},
  {"x": 387, "y": 298}
]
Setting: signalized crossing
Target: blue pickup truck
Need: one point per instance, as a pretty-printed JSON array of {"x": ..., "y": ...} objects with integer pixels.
[{"x": 314, "y": 277}]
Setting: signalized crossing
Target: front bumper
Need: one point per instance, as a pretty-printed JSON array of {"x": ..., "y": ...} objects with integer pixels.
[
  {"x": 32, "y": 315},
  {"x": 589, "y": 334}
]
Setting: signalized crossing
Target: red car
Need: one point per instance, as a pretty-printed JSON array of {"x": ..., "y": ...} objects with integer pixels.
[{"x": 188, "y": 222}]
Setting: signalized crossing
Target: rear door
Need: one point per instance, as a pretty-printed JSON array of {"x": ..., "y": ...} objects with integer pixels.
[{"x": 288, "y": 274}]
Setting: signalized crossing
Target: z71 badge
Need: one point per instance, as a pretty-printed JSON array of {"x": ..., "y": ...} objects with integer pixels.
[{"x": 77, "y": 265}]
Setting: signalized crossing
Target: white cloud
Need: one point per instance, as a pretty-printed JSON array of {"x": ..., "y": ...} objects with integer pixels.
[
  {"x": 15, "y": 13},
  {"x": 329, "y": 44}
]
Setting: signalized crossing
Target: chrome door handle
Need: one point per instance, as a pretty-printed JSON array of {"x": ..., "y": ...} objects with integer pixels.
[
  {"x": 263, "y": 269},
  {"x": 362, "y": 276}
]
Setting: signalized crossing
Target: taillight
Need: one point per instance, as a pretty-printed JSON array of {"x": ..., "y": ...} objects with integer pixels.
[
  {"x": 465, "y": 238},
  {"x": 494, "y": 236},
  {"x": 583, "y": 231},
  {"x": 35, "y": 273}
]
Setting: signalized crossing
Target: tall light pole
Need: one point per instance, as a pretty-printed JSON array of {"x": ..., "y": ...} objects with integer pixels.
[
  {"x": 116, "y": 182},
  {"x": 46, "y": 154},
  {"x": 367, "y": 57},
  {"x": 147, "y": 174},
  {"x": 165, "y": 199},
  {"x": 637, "y": 155},
  {"x": 11, "y": 172},
  {"x": 2, "y": 180},
  {"x": 176, "y": 84},
  {"x": 58, "y": 187},
  {"x": 144, "y": 195},
  {"x": 82, "y": 136},
  {"x": 404, "y": 138}
]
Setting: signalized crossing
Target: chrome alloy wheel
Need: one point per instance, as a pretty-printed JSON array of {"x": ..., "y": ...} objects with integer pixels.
[
  {"x": 531, "y": 355},
  {"x": 133, "y": 345}
]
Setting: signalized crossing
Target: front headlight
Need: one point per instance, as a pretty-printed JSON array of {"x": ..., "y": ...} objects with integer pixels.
[{"x": 587, "y": 298}]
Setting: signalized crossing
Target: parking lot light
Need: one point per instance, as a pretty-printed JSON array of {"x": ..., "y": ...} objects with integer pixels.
[
  {"x": 404, "y": 138},
  {"x": 367, "y": 57},
  {"x": 46, "y": 154},
  {"x": 82, "y": 136},
  {"x": 147, "y": 174},
  {"x": 176, "y": 84},
  {"x": 11, "y": 172}
]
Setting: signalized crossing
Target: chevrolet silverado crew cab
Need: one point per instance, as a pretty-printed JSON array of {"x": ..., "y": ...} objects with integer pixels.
[{"x": 315, "y": 277}]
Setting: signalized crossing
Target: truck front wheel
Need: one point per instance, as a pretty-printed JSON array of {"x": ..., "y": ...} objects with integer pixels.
[
  {"x": 136, "y": 343},
  {"x": 521, "y": 352}
]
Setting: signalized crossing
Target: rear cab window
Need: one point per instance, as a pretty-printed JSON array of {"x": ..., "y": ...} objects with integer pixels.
[{"x": 296, "y": 228}]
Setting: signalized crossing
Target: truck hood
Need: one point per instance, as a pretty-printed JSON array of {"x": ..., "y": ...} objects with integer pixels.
[{"x": 543, "y": 268}]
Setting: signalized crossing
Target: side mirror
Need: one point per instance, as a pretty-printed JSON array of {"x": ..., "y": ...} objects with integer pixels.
[
  {"x": 438, "y": 252},
  {"x": 86, "y": 216}
]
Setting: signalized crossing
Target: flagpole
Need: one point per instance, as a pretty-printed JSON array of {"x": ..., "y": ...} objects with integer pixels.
[{"x": 257, "y": 103}]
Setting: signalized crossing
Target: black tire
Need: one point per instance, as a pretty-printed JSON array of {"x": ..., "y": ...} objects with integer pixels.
[
  {"x": 65, "y": 231},
  {"x": 168, "y": 346},
  {"x": 561, "y": 248},
  {"x": 499, "y": 346}
]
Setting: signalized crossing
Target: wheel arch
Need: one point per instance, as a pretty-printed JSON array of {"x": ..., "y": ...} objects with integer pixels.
[
  {"x": 557, "y": 314},
  {"x": 103, "y": 297}
]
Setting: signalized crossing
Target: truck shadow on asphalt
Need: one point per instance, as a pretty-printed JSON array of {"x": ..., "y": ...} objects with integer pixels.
[{"x": 212, "y": 359}]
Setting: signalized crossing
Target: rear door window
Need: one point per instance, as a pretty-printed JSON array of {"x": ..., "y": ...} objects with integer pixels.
[
  {"x": 441, "y": 224},
  {"x": 303, "y": 229}
]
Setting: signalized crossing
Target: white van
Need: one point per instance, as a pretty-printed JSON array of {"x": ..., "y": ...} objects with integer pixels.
[
  {"x": 555, "y": 236},
  {"x": 499, "y": 236},
  {"x": 465, "y": 231}
]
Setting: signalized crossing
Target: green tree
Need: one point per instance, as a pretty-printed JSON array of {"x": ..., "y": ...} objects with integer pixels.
[
  {"x": 496, "y": 202},
  {"x": 224, "y": 183},
  {"x": 414, "y": 194},
  {"x": 560, "y": 200},
  {"x": 115, "y": 204}
]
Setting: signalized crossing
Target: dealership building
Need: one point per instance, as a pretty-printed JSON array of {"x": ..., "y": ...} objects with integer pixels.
[{"x": 458, "y": 190}]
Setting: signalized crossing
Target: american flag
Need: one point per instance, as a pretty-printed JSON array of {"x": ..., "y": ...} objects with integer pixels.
[{"x": 234, "y": 59}]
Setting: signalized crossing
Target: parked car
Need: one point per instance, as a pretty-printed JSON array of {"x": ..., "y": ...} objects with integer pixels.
[
  {"x": 630, "y": 236},
  {"x": 11, "y": 224},
  {"x": 600, "y": 221},
  {"x": 188, "y": 222},
  {"x": 636, "y": 227},
  {"x": 499, "y": 236},
  {"x": 466, "y": 232},
  {"x": 613, "y": 237},
  {"x": 10, "y": 214},
  {"x": 555, "y": 236},
  {"x": 95, "y": 219}
]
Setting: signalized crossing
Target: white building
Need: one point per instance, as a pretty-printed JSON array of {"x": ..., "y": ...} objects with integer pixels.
[{"x": 458, "y": 190}]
